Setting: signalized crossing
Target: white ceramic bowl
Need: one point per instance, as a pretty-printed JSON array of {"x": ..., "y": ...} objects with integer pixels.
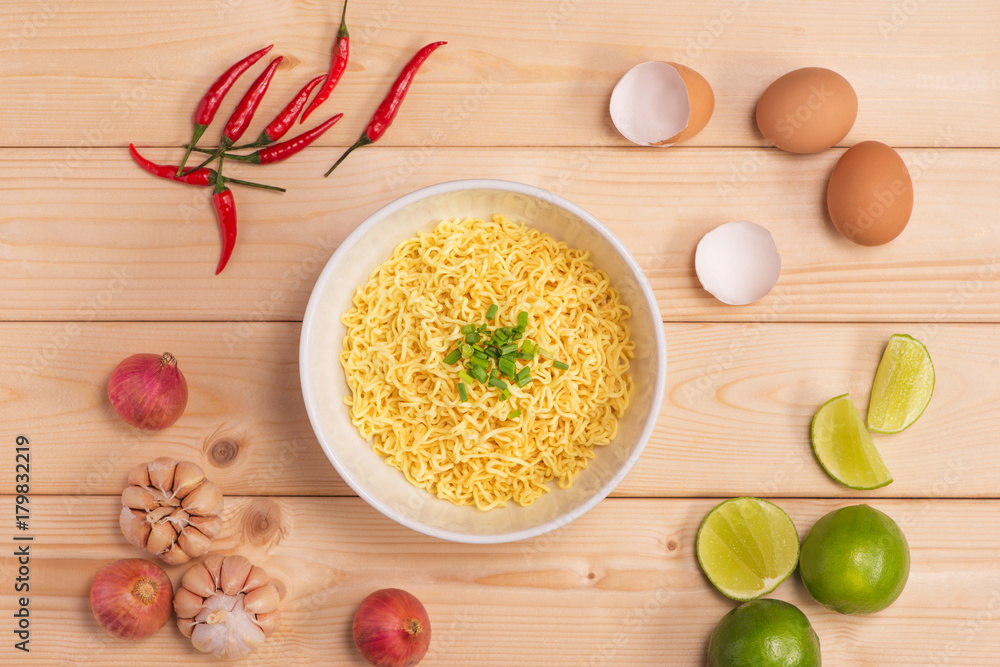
[{"x": 324, "y": 385}]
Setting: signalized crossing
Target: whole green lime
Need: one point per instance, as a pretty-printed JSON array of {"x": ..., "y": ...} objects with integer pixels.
[
  {"x": 855, "y": 560},
  {"x": 764, "y": 633}
]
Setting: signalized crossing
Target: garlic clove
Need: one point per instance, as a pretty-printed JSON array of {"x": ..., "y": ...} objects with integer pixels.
[
  {"x": 214, "y": 566},
  {"x": 134, "y": 527},
  {"x": 194, "y": 542},
  {"x": 187, "y": 604},
  {"x": 186, "y": 625},
  {"x": 161, "y": 473},
  {"x": 235, "y": 570},
  {"x": 187, "y": 476},
  {"x": 205, "y": 500},
  {"x": 258, "y": 577},
  {"x": 139, "y": 476},
  {"x": 199, "y": 580},
  {"x": 268, "y": 621},
  {"x": 211, "y": 526},
  {"x": 175, "y": 555},
  {"x": 138, "y": 498},
  {"x": 161, "y": 537},
  {"x": 264, "y": 599},
  {"x": 180, "y": 518}
]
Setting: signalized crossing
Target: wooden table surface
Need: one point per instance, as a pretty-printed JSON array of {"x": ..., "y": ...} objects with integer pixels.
[{"x": 99, "y": 260}]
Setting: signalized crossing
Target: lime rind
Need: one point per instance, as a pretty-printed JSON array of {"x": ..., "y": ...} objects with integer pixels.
[
  {"x": 747, "y": 547},
  {"x": 844, "y": 448},
  {"x": 903, "y": 385}
]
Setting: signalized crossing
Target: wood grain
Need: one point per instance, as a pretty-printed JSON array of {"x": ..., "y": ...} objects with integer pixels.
[
  {"x": 735, "y": 420},
  {"x": 619, "y": 586},
  {"x": 541, "y": 71},
  {"x": 118, "y": 244}
]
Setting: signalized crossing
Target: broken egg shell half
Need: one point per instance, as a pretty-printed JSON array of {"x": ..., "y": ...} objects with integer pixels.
[
  {"x": 661, "y": 104},
  {"x": 738, "y": 262}
]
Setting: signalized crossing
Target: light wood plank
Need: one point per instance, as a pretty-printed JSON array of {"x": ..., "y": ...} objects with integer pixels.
[
  {"x": 521, "y": 73},
  {"x": 735, "y": 420},
  {"x": 116, "y": 243},
  {"x": 620, "y": 586}
]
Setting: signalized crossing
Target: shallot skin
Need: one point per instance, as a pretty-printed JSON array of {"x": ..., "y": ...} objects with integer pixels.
[
  {"x": 131, "y": 598},
  {"x": 148, "y": 391},
  {"x": 392, "y": 629}
]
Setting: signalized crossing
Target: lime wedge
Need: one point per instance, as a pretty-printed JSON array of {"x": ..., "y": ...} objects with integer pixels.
[
  {"x": 844, "y": 446},
  {"x": 903, "y": 385},
  {"x": 747, "y": 547}
]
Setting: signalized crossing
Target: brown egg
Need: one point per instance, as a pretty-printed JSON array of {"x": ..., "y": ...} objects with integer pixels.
[
  {"x": 807, "y": 111},
  {"x": 870, "y": 194}
]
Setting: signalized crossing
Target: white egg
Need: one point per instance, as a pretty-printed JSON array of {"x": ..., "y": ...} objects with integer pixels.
[{"x": 738, "y": 262}]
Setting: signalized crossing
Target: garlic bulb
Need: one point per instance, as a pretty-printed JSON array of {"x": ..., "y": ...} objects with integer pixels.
[
  {"x": 226, "y": 605},
  {"x": 171, "y": 510}
]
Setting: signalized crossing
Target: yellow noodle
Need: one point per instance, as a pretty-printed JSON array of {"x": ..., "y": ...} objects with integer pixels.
[{"x": 404, "y": 398}]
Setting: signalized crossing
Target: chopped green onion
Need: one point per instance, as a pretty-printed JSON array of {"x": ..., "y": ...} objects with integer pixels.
[
  {"x": 481, "y": 363},
  {"x": 504, "y": 395},
  {"x": 507, "y": 367},
  {"x": 508, "y": 349},
  {"x": 453, "y": 357},
  {"x": 462, "y": 394},
  {"x": 527, "y": 347},
  {"x": 479, "y": 347},
  {"x": 560, "y": 365},
  {"x": 517, "y": 335},
  {"x": 494, "y": 372},
  {"x": 545, "y": 353},
  {"x": 479, "y": 355},
  {"x": 493, "y": 352},
  {"x": 498, "y": 383},
  {"x": 524, "y": 372},
  {"x": 491, "y": 312},
  {"x": 514, "y": 414},
  {"x": 467, "y": 350},
  {"x": 465, "y": 377},
  {"x": 478, "y": 373},
  {"x": 522, "y": 319},
  {"x": 472, "y": 337},
  {"x": 468, "y": 328},
  {"x": 523, "y": 381},
  {"x": 501, "y": 335}
]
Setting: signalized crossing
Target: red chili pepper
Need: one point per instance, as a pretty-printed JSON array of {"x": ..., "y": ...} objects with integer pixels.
[
  {"x": 203, "y": 177},
  {"x": 225, "y": 210},
  {"x": 386, "y": 111},
  {"x": 341, "y": 53},
  {"x": 210, "y": 102},
  {"x": 284, "y": 120},
  {"x": 199, "y": 177},
  {"x": 247, "y": 107},
  {"x": 286, "y": 149}
]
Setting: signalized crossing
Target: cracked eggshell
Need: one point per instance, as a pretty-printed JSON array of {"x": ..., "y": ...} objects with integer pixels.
[
  {"x": 738, "y": 262},
  {"x": 661, "y": 104}
]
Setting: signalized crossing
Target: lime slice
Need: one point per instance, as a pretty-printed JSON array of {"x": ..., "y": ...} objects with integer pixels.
[
  {"x": 844, "y": 446},
  {"x": 903, "y": 385},
  {"x": 747, "y": 547}
]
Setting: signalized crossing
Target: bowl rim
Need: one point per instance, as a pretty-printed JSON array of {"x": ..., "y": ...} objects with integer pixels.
[{"x": 481, "y": 184}]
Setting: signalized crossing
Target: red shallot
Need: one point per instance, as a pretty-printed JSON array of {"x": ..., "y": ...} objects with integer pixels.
[
  {"x": 131, "y": 598},
  {"x": 391, "y": 629},
  {"x": 148, "y": 391}
]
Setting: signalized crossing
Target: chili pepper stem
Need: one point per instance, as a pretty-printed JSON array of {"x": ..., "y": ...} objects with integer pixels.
[
  {"x": 362, "y": 141},
  {"x": 251, "y": 184},
  {"x": 199, "y": 130},
  {"x": 224, "y": 146}
]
